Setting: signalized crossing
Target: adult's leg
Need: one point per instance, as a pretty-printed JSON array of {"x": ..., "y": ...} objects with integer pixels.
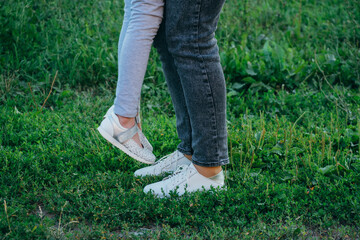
[
  {"x": 190, "y": 30},
  {"x": 146, "y": 16},
  {"x": 176, "y": 91}
]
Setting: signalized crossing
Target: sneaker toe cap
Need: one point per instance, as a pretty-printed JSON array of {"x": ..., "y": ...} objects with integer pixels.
[
  {"x": 155, "y": 188},
  {"x": 148, "y": 155},
  {"x": 143, "y": 172},
  {"x": 143, "y": 153}
]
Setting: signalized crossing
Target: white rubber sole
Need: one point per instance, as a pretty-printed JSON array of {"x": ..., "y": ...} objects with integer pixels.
[{"x": 114, "y": 142}]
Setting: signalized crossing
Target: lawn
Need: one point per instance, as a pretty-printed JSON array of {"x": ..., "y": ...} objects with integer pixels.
[{"x": 293, "y": 75}]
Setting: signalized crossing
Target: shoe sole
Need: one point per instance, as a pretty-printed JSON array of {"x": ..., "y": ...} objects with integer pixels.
[{"x": 115, "y": 143}]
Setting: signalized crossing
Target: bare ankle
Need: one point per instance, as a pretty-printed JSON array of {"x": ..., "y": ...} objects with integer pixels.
[
  {"x": 208, "y": 171},
  {"x": 129, "y": 123},
  {"x": 188, "y": 156},
  {"x": 126, "y": 122}
]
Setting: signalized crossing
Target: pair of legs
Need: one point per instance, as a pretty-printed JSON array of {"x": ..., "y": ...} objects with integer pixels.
[
  {"x": 189, "y": 54},
  {"x": 141, "y": 22}
]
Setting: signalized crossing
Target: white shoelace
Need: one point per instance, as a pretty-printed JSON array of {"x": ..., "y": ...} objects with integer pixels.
[
  {"x": 162, "y": 160},
  {"x": 179, "y": 169}
]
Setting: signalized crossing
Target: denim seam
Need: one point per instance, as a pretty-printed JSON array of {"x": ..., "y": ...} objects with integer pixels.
[
  {"x": 211, "y": 164},
  {"x": 206, "y": 79},
  {"x": 187, "y": 118}
]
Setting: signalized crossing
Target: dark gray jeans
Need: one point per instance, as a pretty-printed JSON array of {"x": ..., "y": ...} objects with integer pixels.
[{"x": 190, "y": 59}]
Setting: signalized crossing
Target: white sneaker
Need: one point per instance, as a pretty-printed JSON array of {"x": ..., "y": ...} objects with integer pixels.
[
  {"x": 185, "y": 179},
  {"x": 166, "y": 164},
  {"x": 111, "y": 129},
  {"x": 144, "y": 141}
]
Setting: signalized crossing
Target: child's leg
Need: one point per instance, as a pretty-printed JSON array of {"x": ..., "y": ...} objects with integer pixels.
[
  {"x": 146, "y": 16},
  {"x": 141, "y": 22},
  {"x": 125, "y": 24}
]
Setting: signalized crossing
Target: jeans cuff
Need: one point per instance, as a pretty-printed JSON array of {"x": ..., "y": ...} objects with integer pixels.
[
  {"x": 184, "y": 151},
  {"x": 214, "y": 163}
]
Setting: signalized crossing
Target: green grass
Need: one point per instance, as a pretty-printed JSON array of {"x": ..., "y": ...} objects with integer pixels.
[
  {"x": 294, "y": 171},
  {"x": 292, "y": 72},
  {"x": 270, "y": 42}
]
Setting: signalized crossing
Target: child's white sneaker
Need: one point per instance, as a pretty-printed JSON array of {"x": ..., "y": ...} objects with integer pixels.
[
  {"x": 185, "y": 179},
  {"x": 144, "y": 141},
  {"x": 166, "y": 164},
  {"x": 111, "y": 129}
]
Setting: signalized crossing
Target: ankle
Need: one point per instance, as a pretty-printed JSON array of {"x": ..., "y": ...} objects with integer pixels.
[
  {"x": 188, "y": 156},
  {"x": 208, "y": 171},
  {"x": 126, "y": 122}
]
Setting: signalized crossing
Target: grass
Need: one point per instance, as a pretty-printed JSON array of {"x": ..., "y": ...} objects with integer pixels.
[
  {"x": 293, "y": 172},
  {"x": 269, "y": 42},
  {"x": 292, "y": 71}
]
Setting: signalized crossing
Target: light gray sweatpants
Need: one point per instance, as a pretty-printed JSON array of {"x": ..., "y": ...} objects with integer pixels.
[{"x": 141, "y": 22}]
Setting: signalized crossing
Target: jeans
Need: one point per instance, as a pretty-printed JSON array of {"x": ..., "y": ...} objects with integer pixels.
[
  {"x": 141, "y": 22},
  {"x": 190, "y": 60}
]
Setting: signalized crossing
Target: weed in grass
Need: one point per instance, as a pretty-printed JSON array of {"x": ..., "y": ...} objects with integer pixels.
[{"x": 7, "y": 217}]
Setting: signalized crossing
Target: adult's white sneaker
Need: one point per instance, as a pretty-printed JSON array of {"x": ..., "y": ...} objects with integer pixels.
[
  {"x": 185, "y": 179},
  {"x": 166, "y": 164},
  {"x": 111, "y": 129}
]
